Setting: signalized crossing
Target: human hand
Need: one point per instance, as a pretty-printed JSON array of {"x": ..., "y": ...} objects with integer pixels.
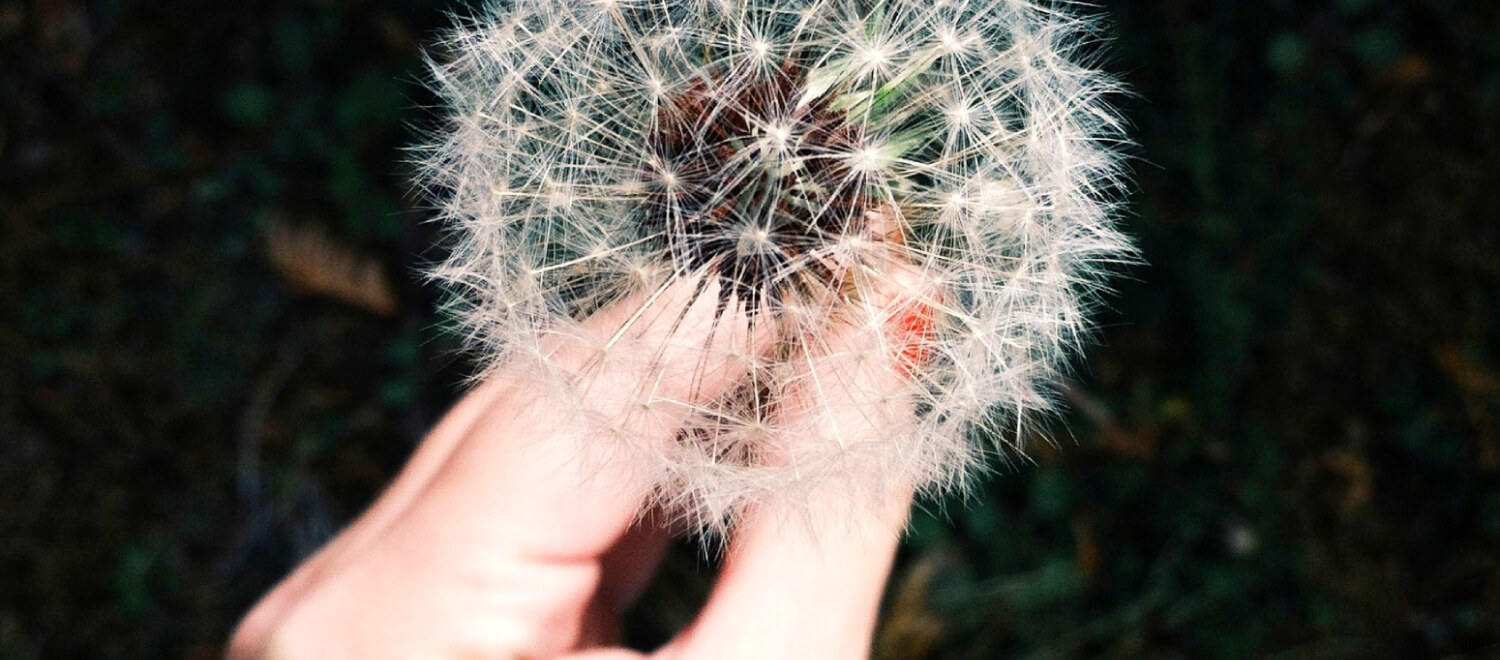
[{"x": 508, "y": 536}]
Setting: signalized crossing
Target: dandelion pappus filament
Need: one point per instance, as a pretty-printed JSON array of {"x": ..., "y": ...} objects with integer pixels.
[{"x": 752, "y": 185}]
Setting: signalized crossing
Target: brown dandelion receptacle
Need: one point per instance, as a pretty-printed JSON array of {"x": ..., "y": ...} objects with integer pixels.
[{"x": 754, "y": 183}]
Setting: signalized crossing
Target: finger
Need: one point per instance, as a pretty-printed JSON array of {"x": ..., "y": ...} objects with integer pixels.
[
  {"x": 427, "y": 458},
  {"x": 510, "y": 474},
  {"x": 589, "y": 406},
  {"x": 797, "y": 586},
  {"x": 553, "y": 482}
]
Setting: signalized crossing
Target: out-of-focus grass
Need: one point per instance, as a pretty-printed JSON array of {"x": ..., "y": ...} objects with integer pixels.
[{"x": 1285, "y": 444}]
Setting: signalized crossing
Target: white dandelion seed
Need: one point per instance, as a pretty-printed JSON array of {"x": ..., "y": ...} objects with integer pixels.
[{"x": 789, "y": 153}]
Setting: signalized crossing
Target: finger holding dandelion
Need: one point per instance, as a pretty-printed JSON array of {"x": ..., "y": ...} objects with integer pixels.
[{"x": 791, "y": 155}]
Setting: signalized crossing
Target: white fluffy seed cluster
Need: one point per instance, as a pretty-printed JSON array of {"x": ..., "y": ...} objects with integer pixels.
[{"x": 974, "y": 132}]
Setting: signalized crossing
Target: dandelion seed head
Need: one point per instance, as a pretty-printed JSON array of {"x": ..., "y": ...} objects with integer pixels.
[{"x": 790, "y": 153}]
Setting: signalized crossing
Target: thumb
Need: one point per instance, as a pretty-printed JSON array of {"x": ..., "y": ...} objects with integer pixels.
[{"x": 804, "y": 574}]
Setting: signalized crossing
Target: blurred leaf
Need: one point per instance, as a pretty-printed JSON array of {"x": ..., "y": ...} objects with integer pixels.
[
  {"x": 1377, "y": 46},
  {"x": 1053, "y": 582},
  {"x": 399, "y": 393},
  {"x": 910, "y": 627},
  {"x": 1286, "y": 53},
  {"x": 293, "y": 45},
  {"x": 927, "y": 530},
  {"x": 314, "y": 262},
  {"x": 1351, "y": 7},
  {"x": 1051, "y": 494},
  {"x": 372, "y": 100},
  {"x": 132, "y": 580},
  {"x": 249, "y": 103}
]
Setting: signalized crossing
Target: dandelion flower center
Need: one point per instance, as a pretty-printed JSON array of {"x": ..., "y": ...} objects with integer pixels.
[{"x": 755, "y": 185}]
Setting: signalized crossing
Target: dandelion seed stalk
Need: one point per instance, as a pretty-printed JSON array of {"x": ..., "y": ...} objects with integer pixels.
[{"x": 789, "y": 153}]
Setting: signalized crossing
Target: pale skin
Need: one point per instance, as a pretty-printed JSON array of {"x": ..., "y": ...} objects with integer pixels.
[{"x": 502, "y": 539}]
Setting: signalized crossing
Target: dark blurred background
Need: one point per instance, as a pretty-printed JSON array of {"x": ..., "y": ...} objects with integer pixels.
[{"x": 214, "y": 348}]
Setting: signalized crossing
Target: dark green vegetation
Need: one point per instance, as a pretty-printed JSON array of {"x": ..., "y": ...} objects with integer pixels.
[{"x": 1285, "y": 444}]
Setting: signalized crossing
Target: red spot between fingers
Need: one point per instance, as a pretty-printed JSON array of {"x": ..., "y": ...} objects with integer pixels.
[{"x": 913, "y": 333}]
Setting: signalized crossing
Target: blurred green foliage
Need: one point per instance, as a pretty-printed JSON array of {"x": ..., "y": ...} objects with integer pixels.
[{"x": 1285, "y": 444}]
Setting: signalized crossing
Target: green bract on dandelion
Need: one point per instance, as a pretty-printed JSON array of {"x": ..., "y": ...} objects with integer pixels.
[{"x": 787, "y": 155}]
